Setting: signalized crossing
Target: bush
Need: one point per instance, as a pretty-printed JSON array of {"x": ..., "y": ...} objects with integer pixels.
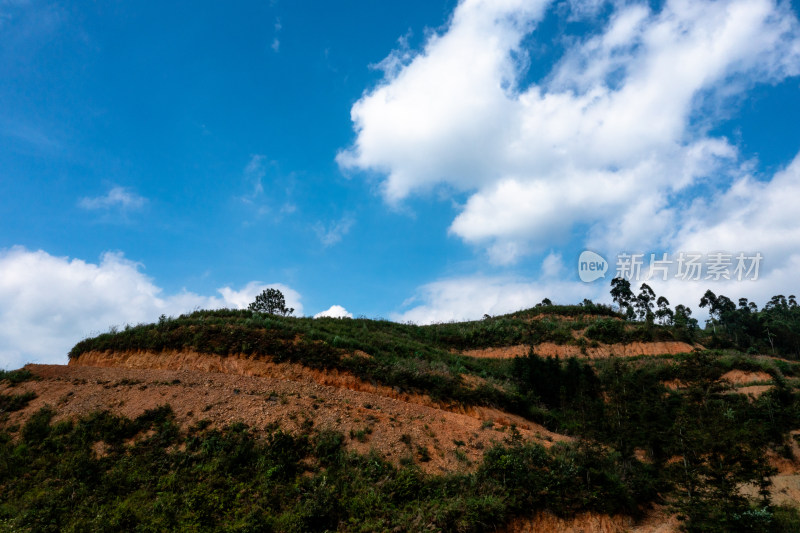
[
  {"x": 232, "y": 479},
  {"x": 37, "y": 428},
  {"x": 14, "y": 402},
  {"x": 607, "y": 330},
  {"x": 14, "y": 377}
]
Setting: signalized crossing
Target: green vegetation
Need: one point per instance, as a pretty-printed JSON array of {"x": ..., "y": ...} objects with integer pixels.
[
  {"x": 14, "y": 402},
  {"x": 248, "y": 332},
  {"x": 409, "y": 357},
  {"x": 607, "y": 330},
  {"x": 637, "y": 441},
  {"x": 14, "y": 377},
  {"x": 271, "y": 301},
  {"x": 774, "y": 329},
  {"x": 104, "y": 472}
]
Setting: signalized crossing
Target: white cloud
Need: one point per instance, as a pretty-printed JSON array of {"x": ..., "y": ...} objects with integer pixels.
[
  {"x": 242, "y": 298},
  {"x": 749, "y": 217},
  {"x": 117, "y": 197},
  {"x": 552, "y": 266},
  {"x": 471, "y": 297},
  {"x": 580, "y": 9},
  {"x": 332, "y": 233},
  {"x": 50, "y": 303},
  {"x": 617, "y": 130},
  {"x": 267, "y": 188},
  {"x": 441, "y": 116},
  {"x": 335, "y": 311},
  {"x": 276, "y": 42},
  {"x": 254, "y": 174}
]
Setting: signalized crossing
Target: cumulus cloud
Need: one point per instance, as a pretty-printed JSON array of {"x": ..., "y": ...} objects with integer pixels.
[
  {"x": 335, "y": 311},
  {"x": 469, "y": 298},
  {"x": 117, "y": 197},
  {"x": 552, "y": 266},
  {"x": 242, "y": 298},
  {"x": 751, "y": 217},
  {"x": 619, "y": 127},
  {"x": 50, "y": 303}
]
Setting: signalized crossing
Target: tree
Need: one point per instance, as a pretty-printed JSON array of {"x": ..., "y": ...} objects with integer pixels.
[
  {"x": 644, "y": 304},
  {"x": 271, "y": 301},
  {"x": 623, "y": 296},
  {"x": 721, "y": 310},
  {"x": 709, "y": 300},
  {"x": 685, "y": 325},
  {"x": 780, "y": 320},
  {"x": 720, "y": 450},
  {"x": 664, "y": 313}
]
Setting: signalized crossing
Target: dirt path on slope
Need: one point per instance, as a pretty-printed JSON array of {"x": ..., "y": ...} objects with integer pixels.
[{"x": 549, "y": 349}]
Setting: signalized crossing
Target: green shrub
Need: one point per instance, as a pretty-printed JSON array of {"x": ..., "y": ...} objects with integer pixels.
[
  {"x": 14, "y": 377},
  {"x": 14, "y": 402},
  {"x": 37, "y": 428},
  {"x": 607, "y": 330},
  {"x": 785, "y": 519}
]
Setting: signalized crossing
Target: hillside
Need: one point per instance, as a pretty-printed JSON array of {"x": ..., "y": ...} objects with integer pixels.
[{"x": 555, "y": 411}]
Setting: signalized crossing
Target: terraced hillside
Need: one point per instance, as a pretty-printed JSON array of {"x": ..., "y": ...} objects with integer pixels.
[{"x": 562, "y": 417}]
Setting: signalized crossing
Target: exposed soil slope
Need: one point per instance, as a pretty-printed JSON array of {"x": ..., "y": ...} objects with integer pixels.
[
  {"x": 549, "y": 349},
  {"x": 655, "y": 522},
  {"x": 249, "y": 366},
  {"x": 401, "y": 426},
  {"x": 740, "y": 377},
  {"x": 438, "y": 439}
]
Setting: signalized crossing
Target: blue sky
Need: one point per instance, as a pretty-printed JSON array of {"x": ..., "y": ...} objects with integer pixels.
[{"x": 421, "y": 161}]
